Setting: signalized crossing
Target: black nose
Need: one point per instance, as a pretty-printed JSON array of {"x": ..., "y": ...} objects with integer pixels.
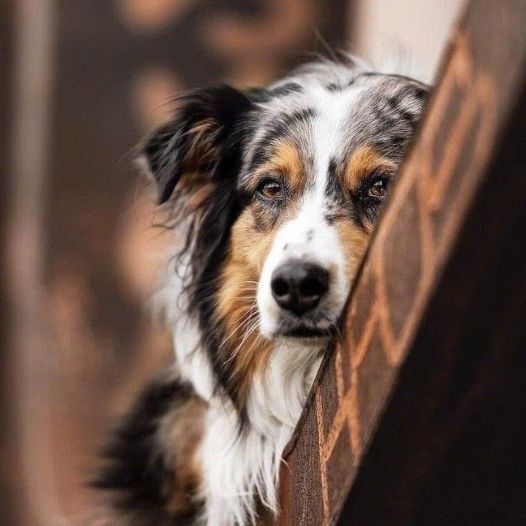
[{"x": 298, "y": 286}]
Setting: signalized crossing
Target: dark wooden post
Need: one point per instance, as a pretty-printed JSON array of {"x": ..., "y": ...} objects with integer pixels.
[{"x": 417, "y": 415}]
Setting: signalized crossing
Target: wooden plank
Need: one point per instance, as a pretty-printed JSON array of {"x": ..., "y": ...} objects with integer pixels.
[{"x": 416, "y": 416}]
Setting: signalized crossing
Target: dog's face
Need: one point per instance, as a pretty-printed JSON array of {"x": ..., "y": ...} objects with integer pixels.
[{"x": 284, "y": 185}]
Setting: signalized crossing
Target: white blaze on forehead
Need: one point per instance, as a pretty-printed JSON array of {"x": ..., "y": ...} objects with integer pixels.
[
  {"x": 309, "y": 236},
  {"x": 332, "y": 111}
]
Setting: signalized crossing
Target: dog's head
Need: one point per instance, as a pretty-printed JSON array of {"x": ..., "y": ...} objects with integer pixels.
[{"x": 280, "y": 189}]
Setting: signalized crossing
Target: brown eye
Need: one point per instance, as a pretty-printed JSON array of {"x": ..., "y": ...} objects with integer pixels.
[
  {"x": 378, "y": 187},
  {"x": 269, "y": 189}
]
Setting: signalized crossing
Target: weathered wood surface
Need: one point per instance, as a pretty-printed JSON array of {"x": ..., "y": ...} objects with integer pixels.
[{"x": 417, "y": 415}]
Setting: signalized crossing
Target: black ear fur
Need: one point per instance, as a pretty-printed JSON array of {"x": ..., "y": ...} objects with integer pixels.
[{"x": 196, "y": 138}]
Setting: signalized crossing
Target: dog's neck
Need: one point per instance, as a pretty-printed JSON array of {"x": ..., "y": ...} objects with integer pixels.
[{"x": 242, "y": 469}]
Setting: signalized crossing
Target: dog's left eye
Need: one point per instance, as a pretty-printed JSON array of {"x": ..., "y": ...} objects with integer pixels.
[
  {"x": 269, "y": 189},
  {"x": 377, "y": 188}
]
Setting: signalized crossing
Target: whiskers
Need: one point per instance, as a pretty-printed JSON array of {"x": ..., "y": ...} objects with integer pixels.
[
  {"x": 245, "y": 336},
  {"x": 246, "y": 319},
  {"x": 249, "y": 332},
  {"x": 248, "y": 325}
]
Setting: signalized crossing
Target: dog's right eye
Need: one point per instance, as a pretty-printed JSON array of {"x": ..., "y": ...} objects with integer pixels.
[{"x": 270, "y": 189}]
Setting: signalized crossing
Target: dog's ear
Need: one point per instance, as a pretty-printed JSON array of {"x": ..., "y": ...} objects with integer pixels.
[{"x": 197, "y": 139}]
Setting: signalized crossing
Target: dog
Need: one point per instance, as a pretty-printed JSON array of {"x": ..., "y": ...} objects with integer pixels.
[{"x": 273, "y": 194}]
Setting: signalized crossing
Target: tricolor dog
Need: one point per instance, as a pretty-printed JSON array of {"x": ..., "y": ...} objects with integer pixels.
[{"x": 273, "y": 193}]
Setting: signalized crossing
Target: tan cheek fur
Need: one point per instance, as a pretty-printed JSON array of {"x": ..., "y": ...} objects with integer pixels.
[
  {"x": 236, "y": 309},
  {"x": 354, "y": 241}
]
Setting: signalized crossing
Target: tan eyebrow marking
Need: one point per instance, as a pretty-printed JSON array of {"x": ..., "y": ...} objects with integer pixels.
[
  {"x": 287, "y": 160},
  {"x": 362, "y": 162}
]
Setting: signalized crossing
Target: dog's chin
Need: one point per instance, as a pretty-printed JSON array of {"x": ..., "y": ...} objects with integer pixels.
[
  {"x": 307, "y": 332},
  {"x": 304, "y": 333},
  {"x": 313, "y": 329}
]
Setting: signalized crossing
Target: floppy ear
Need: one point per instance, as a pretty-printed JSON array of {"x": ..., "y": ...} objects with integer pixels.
[{"x": 197, "y": 139}]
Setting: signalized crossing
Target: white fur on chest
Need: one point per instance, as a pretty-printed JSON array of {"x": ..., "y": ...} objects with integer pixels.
[{"x": 242, "y": 468}]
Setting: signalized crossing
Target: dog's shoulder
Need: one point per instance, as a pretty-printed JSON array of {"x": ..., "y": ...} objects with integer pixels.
[{"x": 151, "y": 472}]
